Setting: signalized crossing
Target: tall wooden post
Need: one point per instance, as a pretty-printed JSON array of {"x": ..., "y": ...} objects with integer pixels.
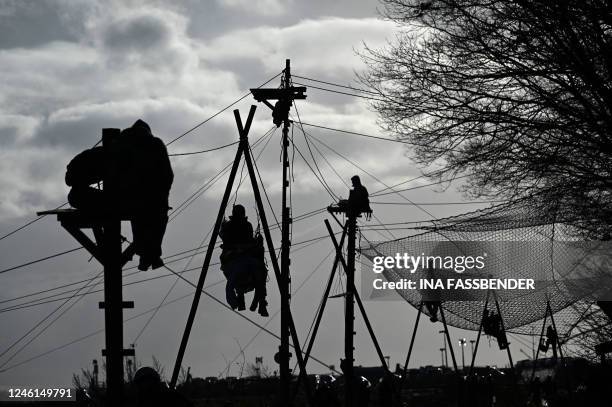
[
  {"x": 111, "y": 252},
  {"x": 285, "y": 293},
  {"x": 349, "y": 311}
]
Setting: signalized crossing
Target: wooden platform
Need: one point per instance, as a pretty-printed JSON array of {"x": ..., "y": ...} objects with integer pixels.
[
  {"x": 81, "y": 219},
  {"x": 73, "y": 220},
  {"x": 344, "y": 209}
]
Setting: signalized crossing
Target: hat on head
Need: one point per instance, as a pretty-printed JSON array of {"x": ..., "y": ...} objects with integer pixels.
[
  {"x": 238, "y": 211},
  {"x": 145, "y": 374},
  {"x": 142, "y": 126}
]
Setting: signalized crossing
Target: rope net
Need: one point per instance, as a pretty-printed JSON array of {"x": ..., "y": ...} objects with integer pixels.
[{"x": 519, "y": 241}]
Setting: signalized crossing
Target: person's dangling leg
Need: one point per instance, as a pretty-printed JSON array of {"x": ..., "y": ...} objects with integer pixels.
[
  {"x": 230, "y": 287},
  {"x": 240, "y": 300},
  {"x": 140, "y": 235},
  {"x": 159, "y": 222},
  {"x": 255, "y": 300},
  {"x": 257, "y": 273},
  {"x": 263, "y": 303},
  {"x": 230, "y": 295}
]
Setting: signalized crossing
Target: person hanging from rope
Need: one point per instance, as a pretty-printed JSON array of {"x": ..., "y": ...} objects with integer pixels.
[
  {"x": 492, "y": 326},
  {"x": 261, "y": 276},
  {"x": 552, "y": 340},
  {"x": 145, "y": 178},
  {"x": 431, "y": 297},
  {"x": 243, "y": 262}
]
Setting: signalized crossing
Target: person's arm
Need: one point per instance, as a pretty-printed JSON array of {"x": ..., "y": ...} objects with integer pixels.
[{"x": 166, "y": 175}]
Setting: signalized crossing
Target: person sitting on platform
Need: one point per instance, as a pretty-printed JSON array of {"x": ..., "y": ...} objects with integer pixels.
[
  {"x": 145, "y": 177},
  {"x": 358, "y": 201},
  {"x": 242, "y": 262},
  {"x": 358, "y": 197},
  {"x": 85, "y": 169}
]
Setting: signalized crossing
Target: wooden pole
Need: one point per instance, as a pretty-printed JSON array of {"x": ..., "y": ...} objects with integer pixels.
[
  {"x": 111, "y": 254},
  {"x": 285, "y": 293}
]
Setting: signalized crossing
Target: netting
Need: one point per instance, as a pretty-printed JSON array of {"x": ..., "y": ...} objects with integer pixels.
[{"x": 520, "y": 242}]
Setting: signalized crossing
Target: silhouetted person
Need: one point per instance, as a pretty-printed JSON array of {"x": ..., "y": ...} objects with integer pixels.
[
  {"x": 152, "y": 392},
  {"x": 261, "y": 275},
  {"x": 536, "y": 392},
  {"x": 237, "y": 236},
  {"x": 85, "y": 169},
  {"x": 552, "y": 340},
  {"x": 147, "y": 178},
  {"x": 358, "y": 200},
  {"x": 360, "y": 385},
  {"x": 432, "y": 308},
  {"x": 325, "y": 392}
]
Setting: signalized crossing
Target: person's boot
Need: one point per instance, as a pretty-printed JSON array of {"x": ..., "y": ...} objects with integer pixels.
[
  {"x": 263, "y": 311},
  {"x": 241, "y": 305},
  {"x": 157, "y": 263},
  {"x": 253, "y": 306},
  {"x": 144, "y": 263}
]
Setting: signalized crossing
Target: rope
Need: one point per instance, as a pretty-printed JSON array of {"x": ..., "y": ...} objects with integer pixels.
[
  {"x": 218, "y": 301},
  {"x": 341, "y": 93},
  {"x": 204, "y": 151},
  {"x": 220, "y": 111},
  {"x": 322, "y": 180},
  {"x": 41, "y": 259},
  {"x": 355, "y": 133},
  {"x": 335, "y": 84}
]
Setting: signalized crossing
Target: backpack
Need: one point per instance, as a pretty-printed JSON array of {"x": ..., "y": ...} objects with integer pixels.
[{"x": 85, "y": 168}]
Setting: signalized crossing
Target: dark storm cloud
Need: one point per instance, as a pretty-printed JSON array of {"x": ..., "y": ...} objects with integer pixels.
[
  {"x": 139, "y": 33},
  {"x": 31, "y": 23}
]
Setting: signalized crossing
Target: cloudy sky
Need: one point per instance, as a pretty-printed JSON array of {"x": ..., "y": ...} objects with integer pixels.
[{"x": 69, "y": 68}]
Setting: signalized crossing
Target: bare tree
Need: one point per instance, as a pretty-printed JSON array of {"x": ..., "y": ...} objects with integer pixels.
[
  {"x": 257, "y": 370},
  {"x": 592, "y": 328},
  {"x": 516, "y": 95},
  {"x": 159, "y": 368}
]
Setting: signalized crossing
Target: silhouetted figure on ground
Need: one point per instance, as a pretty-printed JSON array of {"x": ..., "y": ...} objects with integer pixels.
[
  {"x": 145, "y": 177},
  {"x": 360, "y": 386},
  {"x": 536, "y": 392},
  {"x": 325, "y": 391},
  {"x": 388, "y": 390},
  {"x": 243, "y": 262},
  {"x": 359, "y": 200},
  {"x": 152, "y": 392}
]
